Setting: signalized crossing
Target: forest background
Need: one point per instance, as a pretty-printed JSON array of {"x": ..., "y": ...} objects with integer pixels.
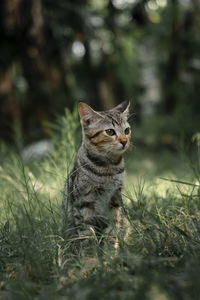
[{"x": 54, "y": 54}]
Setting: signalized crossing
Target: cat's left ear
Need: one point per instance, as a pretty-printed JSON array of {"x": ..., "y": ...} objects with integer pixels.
[
  {"x": 123, "y": 107},
  {"x": 87, "y": 114}
]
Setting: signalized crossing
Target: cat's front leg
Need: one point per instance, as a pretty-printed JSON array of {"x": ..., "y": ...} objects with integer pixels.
[
  {"x": 115, "y": 218},
  {"x": 118, "y": 225}
]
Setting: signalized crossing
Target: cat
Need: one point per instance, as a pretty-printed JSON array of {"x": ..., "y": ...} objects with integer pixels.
[{"x": 92, "y": 191}]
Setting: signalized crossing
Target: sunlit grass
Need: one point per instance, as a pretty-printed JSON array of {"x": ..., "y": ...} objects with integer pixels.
[{"x": 158, "y": 260}]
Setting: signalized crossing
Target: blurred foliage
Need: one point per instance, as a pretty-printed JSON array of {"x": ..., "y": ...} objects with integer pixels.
[{"x": 55, "y": 53}]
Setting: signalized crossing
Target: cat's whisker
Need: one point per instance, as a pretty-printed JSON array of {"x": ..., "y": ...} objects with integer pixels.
[
  {"x": 132, "y": 145},
  {"x": 131, "y": 116}
]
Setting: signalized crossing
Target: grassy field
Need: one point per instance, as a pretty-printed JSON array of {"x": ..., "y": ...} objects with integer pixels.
[{"x": 160, "y": 260}]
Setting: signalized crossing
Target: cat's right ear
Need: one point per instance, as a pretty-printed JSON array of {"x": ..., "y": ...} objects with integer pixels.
[{"x": 87, "y": 114}]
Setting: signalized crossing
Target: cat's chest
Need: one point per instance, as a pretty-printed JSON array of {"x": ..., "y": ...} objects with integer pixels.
[
  {"x": 104, "y": 179},
  {"x": 106, "y": 185}
]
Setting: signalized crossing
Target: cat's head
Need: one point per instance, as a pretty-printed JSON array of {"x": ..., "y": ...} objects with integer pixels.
[{"x": 106, "y": 131}]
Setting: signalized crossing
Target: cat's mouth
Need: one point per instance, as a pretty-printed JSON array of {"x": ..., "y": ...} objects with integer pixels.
[{"x": 122, "y": 147}]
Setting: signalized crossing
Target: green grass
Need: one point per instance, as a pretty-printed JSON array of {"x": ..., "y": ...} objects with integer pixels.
[{"x": 158, "y": 261}]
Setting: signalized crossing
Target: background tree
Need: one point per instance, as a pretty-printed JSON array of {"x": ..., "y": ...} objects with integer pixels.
[{"x": 55, "y": 53}]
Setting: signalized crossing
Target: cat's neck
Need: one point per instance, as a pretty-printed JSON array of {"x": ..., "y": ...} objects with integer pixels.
[{"x": 104, "y": 159}]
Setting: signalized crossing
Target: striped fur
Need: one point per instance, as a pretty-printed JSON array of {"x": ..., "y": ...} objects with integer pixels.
[{"x": 92, "y": 191}]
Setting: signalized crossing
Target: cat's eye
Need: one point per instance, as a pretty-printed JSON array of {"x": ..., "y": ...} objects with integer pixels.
[
  {"x": 127, "y": 130},
  {"x": 110, "y": 132}
]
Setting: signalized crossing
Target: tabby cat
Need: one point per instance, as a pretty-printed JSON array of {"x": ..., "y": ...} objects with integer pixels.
[{"x": 92, "y": 191}]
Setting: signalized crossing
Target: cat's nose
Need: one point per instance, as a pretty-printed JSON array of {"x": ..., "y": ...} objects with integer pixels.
[{"x": 123, "y": 142}]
